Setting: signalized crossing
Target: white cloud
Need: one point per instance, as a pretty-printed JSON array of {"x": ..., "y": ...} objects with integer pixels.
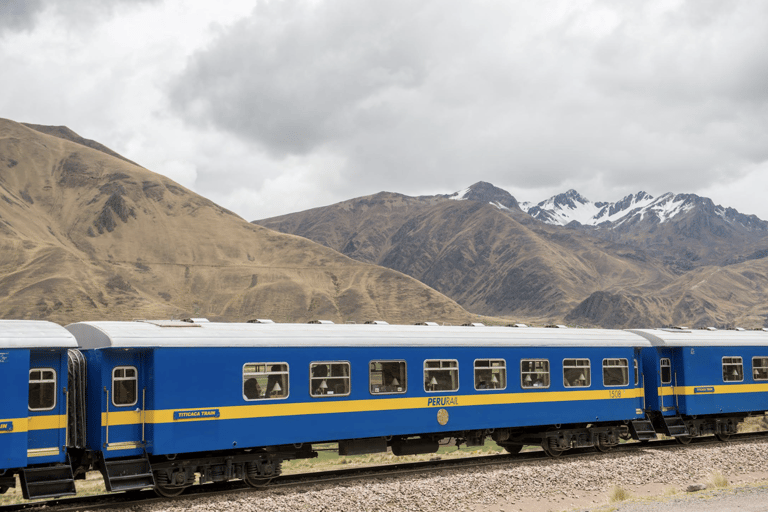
[{"x": 272, "y": 107}]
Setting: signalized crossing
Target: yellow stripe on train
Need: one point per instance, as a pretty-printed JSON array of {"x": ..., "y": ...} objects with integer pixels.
[
  {"x": 321, "y": 406},
  {"x": 722, "y": 389}
]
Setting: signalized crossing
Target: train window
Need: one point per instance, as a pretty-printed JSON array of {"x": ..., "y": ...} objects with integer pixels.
[
  {"x": 42, "y": 389},
  {"x": 490, "y": 374},
  {"x": 576, "y": 373},
  {"x": 124, "y": 385},
  {"x": 265, "y": 380},
  {"x": 534, "y": 373},
  {"x": 666, "y": 370},
  {"x": 760, "y": 368},
  {"x": 615, "y": 372},
  {"x": 733, "y": 369},
  {"x": 387, "y": 377},
  {"x": 441, "y": 375},
  {"x": 329, "y": 379},
  {"x": 637, "y": 374}
]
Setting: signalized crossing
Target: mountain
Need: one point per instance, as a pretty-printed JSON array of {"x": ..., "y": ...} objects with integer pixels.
[
  {"x": 649, "y": 262},
  {"x": 685, "y": 230},
  {"x": 86, "y": 234}
]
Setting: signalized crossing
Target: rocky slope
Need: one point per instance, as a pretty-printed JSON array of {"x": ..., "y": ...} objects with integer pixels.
[
  {"x": 649, "y": 262},
  {"x": 87, "y": 234}
]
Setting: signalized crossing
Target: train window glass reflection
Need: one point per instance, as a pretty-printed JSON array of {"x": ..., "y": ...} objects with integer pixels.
[
  {"x": 387, "y": 377},
  {"x": 534, "y": 373},
  {"x": 666, "y": 370},
  {"x": 760, "y": 368},
  {"x": 265, "y": 380},
  {"x": 576, "y": 373},
  {"x": 42, "y": 389},
  {"x": 615, "y": 372},
  {"x": 329, "y": 379},
  {"x": 637, "y": 374},
  {"x": 490, "y": 374},
  {"x": 124, "y": 385},
  {"x": 441, "y": 375},
  {"x": 733, "y": 369}
]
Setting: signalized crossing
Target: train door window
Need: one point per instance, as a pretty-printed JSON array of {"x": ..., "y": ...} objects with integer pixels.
[
  {"x": 637, "y": 374},
  {"x": 534, "y": 373},
  {"x": 490, "y": 374},
  {"x": 665, "y": 366},
  {"x": 124, "y": 386},
  {"x": 387, "y": 377},
  {"x": 441, "y": 375},
  {"x": 615, "y": 372},
  {"x": 733, "y": 369},
  {"x": 265, "y": 380},
  {"x": 760, "y": 368},
  {"x": 576, "y": 373},
  {"x": 42, "y": 389},
  {"x": 329, "y": 379}
]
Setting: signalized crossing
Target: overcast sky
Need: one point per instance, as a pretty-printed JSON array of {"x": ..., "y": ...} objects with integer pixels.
[{"x": 274, "y": 107}]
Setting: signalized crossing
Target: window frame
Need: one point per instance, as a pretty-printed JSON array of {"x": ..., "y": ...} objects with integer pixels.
[
  {"x": 490, "y": 368},
  {"x": 403, "y": 384},
  {"x": 588, "y": 367},
  {"x": 450, "y": 368},
  {"x": 287, "y": 374},
  {"x": 135, "y": 379},
  {"x": 41, "y": 382},
  {"x": 522, "y": 374},
  {"x": 740, "y": 364},
  {"x": 626, "y": 365},
  {"x": 348, "y": 377},
  {"x": 637, "y": 371},
  {"x": 661, "y": 370},
  {"x": 764, "y": 368}
]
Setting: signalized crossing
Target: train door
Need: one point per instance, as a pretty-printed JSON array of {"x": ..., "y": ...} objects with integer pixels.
[
  {"x": 46, "y": 407},
  {"x": 124, "y": 397},
  {"x": 667, "y": 376}
]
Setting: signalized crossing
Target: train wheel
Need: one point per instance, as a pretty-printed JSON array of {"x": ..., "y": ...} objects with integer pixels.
[
  {"x": 257, "y": 482},
  {"x": 168, "y": 492},
  {"x": 602, "y": 447},
  {"x": 513, "y": 448},
  {"x": 684, "y": 439},
  {"x": 723, "y": 437},
  {"x": 552, "y": 452}
]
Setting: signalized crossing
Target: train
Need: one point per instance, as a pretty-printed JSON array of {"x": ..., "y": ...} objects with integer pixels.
[{"x": 165, "y": 404}]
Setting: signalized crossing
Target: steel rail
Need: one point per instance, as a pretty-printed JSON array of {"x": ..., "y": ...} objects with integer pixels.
[{"x": 395, "y": 470}]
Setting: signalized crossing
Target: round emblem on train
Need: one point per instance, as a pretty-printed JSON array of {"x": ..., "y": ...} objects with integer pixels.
[{"x": 442, "y": 416}]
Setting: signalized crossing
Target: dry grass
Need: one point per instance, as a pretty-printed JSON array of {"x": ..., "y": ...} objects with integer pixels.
[
  {"x": 718, "y": 480},
  {"x": 618, "y": 494}
]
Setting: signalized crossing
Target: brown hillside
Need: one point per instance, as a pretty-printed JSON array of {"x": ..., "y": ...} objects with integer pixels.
[{"x": 87, "y": 235}]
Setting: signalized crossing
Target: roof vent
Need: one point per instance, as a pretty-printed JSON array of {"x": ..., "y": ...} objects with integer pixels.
[
  {"x": 195, "y": 320},
  {"x": 473, "y": 324},
  {"x": 324, "y": 322},
  {"x": 556, "y": 326},
  {"x": 711, "y": 328},
  {"x": 517, "y": 325},
  {"x": 431, "y": 324},
  {"x": 739, "y": 329},
  {"x": 260, "y": 321},
  {"x": 377, "y": 322}
]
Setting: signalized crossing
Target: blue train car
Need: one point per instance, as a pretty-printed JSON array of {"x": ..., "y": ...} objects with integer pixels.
[
  {"x": 701, "y": 382},
  {"x": 34, "y": 375},
  {"x": 226, "y": 401}
]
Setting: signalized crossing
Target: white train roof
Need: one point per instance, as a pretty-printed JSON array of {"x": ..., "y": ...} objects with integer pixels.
[
  {"x": 703, "y": 338},
  {"x": 34, "y": 334},
  {"x": 185, "y": 334}
]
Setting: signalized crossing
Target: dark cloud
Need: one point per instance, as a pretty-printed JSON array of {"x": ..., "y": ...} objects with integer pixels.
[
  {"x": 443, "y": 91},
  {"x": 23, "y": 15},
  {"x": 18, "y": 15}
]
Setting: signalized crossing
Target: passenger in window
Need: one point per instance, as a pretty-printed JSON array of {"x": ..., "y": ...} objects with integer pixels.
[
  {"x": 251, "y": 389},
  {"x": 483, "y": 379}
]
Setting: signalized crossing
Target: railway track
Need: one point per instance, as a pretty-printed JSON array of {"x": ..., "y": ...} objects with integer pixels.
[{"x": 147, "y": 497}]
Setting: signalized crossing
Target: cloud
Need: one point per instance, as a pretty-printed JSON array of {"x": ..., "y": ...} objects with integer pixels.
[{"x": 443, "y": 92}]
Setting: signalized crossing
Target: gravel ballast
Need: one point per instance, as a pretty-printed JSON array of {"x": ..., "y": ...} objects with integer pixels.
[{"x": 549, "y": 484}]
